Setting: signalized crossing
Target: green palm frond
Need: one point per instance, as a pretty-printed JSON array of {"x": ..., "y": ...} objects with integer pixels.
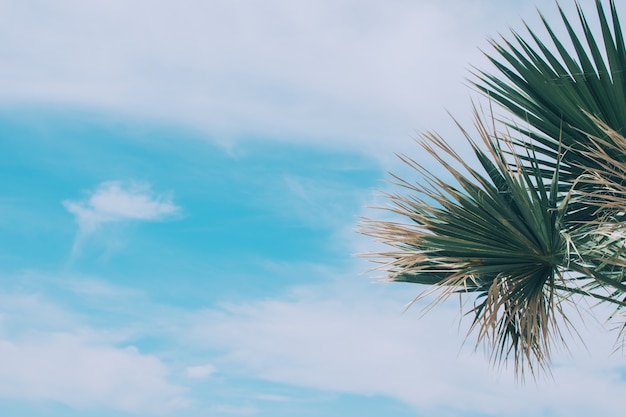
[
  {"x": 496, "y": 233},
  {"x": 541, "y": 220},
  {"x": 552, "y": 90}
]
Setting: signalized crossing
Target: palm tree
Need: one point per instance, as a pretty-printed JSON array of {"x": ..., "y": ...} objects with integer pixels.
[{"x": 542, "y": 222}]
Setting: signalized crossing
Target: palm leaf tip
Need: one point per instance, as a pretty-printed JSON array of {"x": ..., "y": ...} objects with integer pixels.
[
  {"x": 550, "y": 86},
  {"x": 490, "y": 233}
]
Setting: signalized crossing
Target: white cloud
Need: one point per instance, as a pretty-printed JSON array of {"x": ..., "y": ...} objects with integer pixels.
[
  {"x": 361, "y": 74},
  {"x": 62, "y": 360},
  {"x": 71, "y": 370},
  {"x": 349, "y": 336},
  {"x": 200, "y": 371},
  {"x": 353, "y": 339},
  {"x": 114, "y": 201}
]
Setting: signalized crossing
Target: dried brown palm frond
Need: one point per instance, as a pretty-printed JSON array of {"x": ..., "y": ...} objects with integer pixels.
[
  {"x": 607, "y": 177},
  {"x": 603, "y": 187}
]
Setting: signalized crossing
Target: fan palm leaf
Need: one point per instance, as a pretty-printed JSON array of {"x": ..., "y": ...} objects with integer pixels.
[
  {"x": 552, "y": 90},
  {"x": 499, "y": 234},
  {"x": 494, "y": 233},
  {"x": 573, "y": 99}
]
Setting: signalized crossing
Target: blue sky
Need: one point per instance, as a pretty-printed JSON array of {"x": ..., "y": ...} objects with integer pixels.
[{"x": 181, "y": 190}]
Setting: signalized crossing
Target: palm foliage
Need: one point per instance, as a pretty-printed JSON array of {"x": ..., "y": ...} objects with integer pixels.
[
  {"x": 555, "y": 92},
  {"x": 496, "y": 234},
  {"x": 493, "y": 233},
  {"x": 541, "y": 221}
]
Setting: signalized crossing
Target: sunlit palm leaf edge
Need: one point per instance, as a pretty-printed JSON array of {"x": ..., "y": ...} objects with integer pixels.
[
  {"x": 551, "y": 91},
  {"x": 496, "y": 236}
]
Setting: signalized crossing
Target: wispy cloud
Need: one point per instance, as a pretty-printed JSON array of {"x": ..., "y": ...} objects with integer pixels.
[
  {"x": 74, "y": 364},
  {"x": 271, "y": 397},
  {"x": 236, "y": 410},
  {"x": 116, "y": 201},
  {"x": 200, "y": 371},
  {"x": 353, "y": 339},
  {"x": 314, "y": 202},
  {"x": 345, "y": 336},
  {"x": 79, "y": 373}
]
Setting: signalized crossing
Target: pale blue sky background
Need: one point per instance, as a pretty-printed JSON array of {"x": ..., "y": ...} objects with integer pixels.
[{"x": 181, "y": 187}]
